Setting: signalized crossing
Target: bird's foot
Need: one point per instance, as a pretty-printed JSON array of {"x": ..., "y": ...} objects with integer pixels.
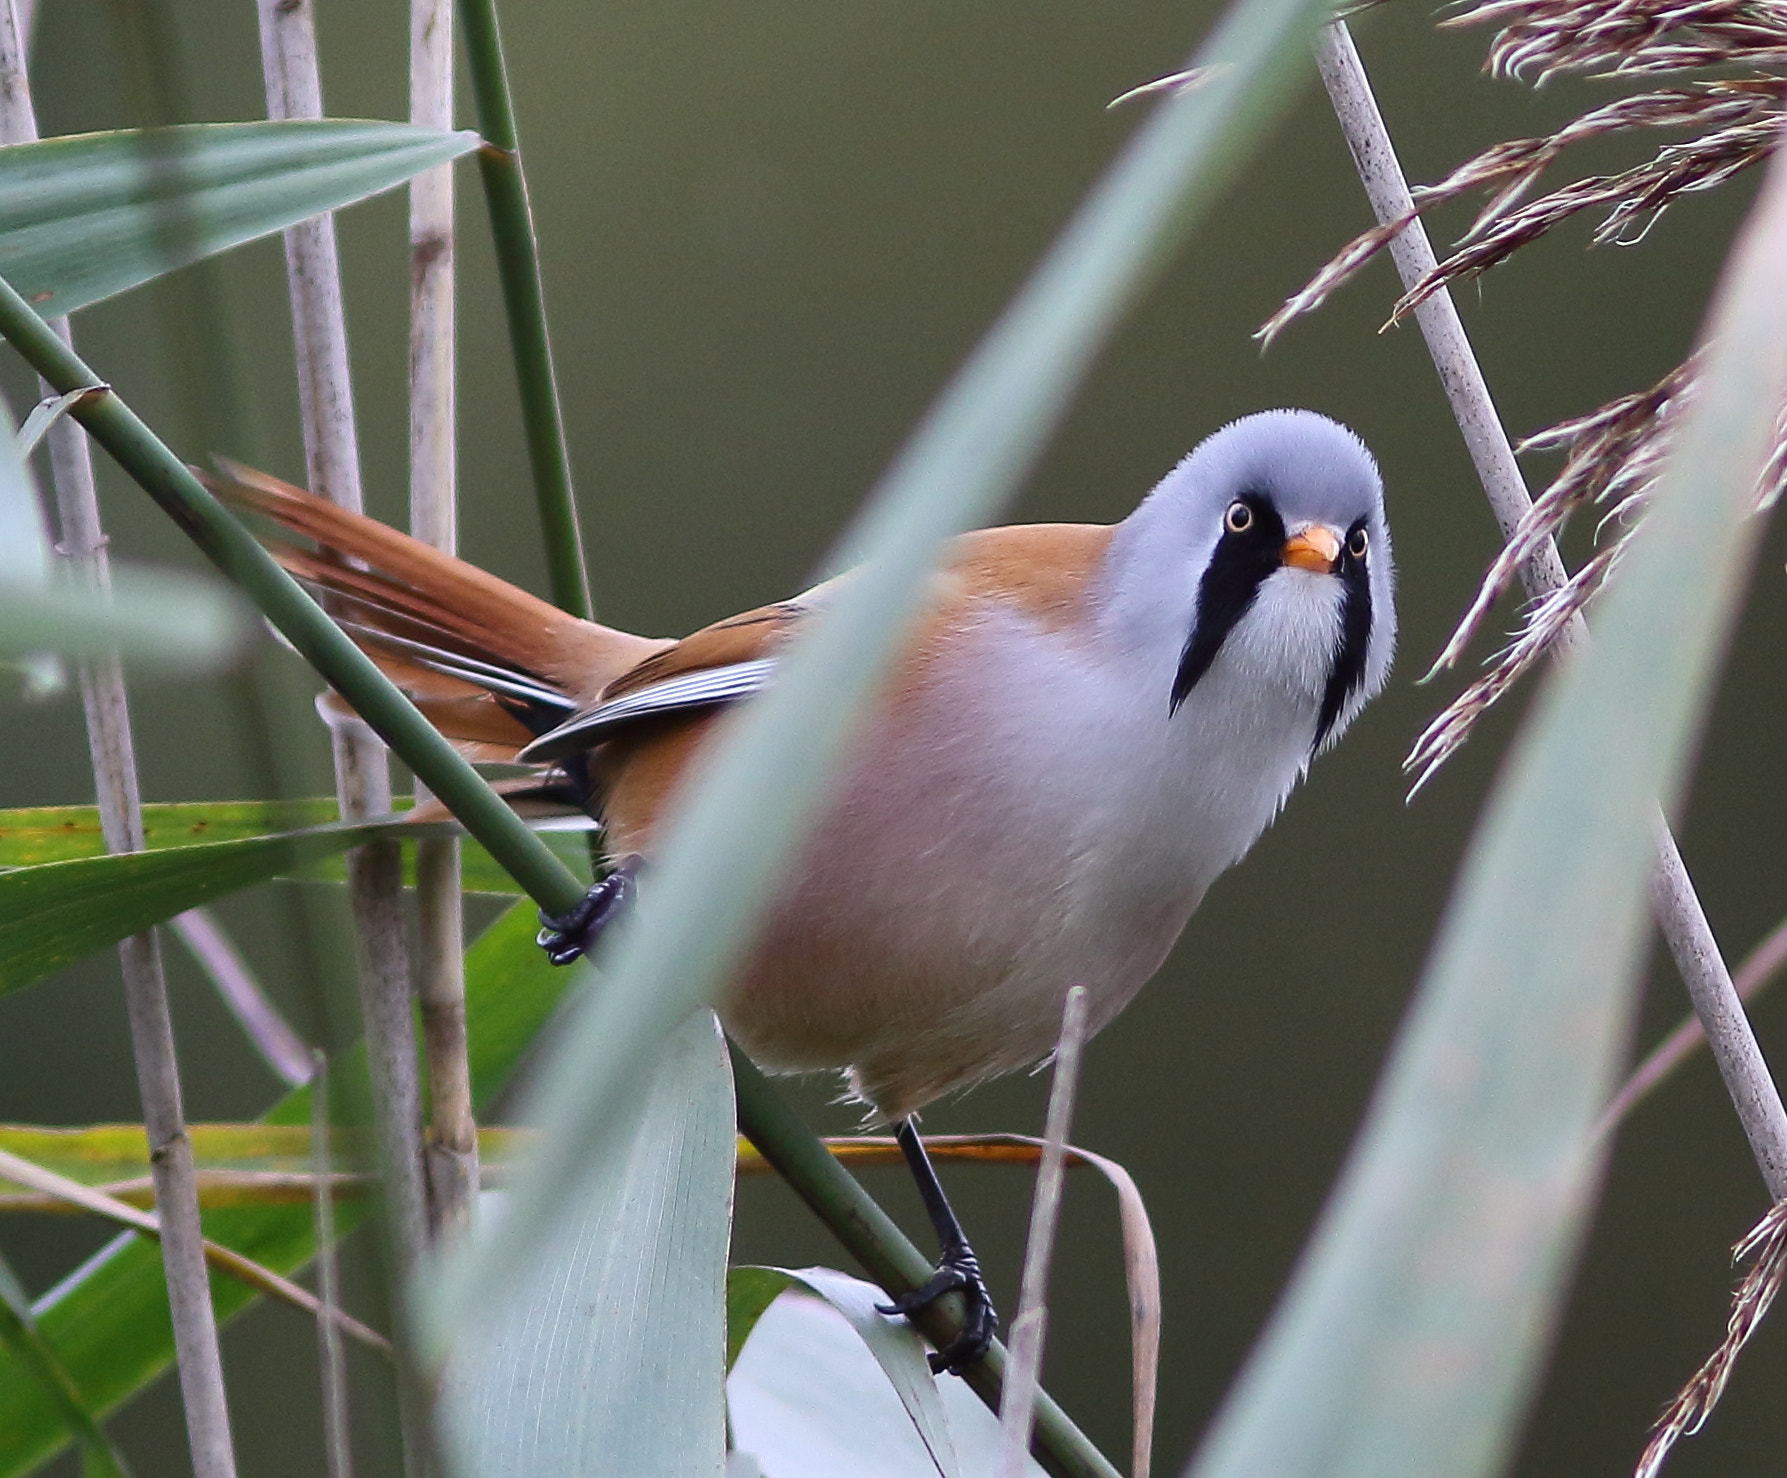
[
  {"x": 958, "y": 1271},
  {"x": 566, "y": 936}
]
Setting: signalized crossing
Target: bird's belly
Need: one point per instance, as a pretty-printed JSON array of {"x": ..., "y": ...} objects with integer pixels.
[
  {"x": 919, "y": 987},
  {"x": 953, "y": 894}
]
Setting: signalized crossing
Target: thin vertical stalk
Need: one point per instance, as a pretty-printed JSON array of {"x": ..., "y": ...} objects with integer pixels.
[
  {"x": 362, "y": 771},
  {"x": 337, "y": 1453},
  {"x": 451, "y": 1153},
  {"x": 1029, "y": 1329},
  {"x": 113, "y": 751},
  {"x": 362, "y": 774},
  {"x": 1677, "y": 909},
  {"x": 518, "y": 266},
  {"x": 313, "y": 270}
]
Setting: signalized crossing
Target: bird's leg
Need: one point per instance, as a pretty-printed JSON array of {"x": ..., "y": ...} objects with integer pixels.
[
  {"x": 566, "y": 936},
  {"x": 958, "y": 1269}
]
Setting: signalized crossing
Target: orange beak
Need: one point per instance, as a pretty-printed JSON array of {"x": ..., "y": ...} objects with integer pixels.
[{"x": 1316, "y": 548}]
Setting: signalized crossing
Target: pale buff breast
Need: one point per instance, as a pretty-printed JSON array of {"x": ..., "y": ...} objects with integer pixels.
[
  {"x": 1023, "y": 813},
  {"x": 984, "y": 855}
]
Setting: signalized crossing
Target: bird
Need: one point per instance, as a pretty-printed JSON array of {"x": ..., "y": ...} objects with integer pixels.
[{"x": 1086, "y": 727}]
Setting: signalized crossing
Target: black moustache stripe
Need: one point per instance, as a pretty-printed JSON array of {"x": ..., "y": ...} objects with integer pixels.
[
  {"x": 1239, "y": 565},
  {"x": 1347, "y": 674}
]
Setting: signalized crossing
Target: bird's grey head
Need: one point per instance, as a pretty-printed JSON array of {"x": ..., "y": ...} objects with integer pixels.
[{"x": 1263, "y": 554}]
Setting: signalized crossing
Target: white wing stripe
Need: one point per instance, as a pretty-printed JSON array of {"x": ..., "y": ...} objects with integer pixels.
[
  {"x": 703, "y": 689},
  {"x": 468, "y": 669}
]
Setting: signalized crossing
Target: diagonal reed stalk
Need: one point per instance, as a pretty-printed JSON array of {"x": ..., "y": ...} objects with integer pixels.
[
  {"x": 518, "y": 267},
  {"x": 451, "y": 1152},
  {"x": 1676, "y": 907},
  {"x": 1614, "y": 454},
  {"x": 112, "y": 746},
  {"x": 1763, "y": 963},
  {"x": 95, "y": 1201},
  {"x": 222, "y": 539},
  {"x": 284, "y": 1052}
]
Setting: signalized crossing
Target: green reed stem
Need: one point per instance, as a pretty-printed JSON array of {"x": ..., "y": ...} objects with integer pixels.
[{"x": 518, "y": 266}]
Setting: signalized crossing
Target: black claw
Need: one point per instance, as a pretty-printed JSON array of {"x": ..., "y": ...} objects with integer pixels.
[
  {"x": 958, "y": 1271},
  {"x": 567, "y": 936}
]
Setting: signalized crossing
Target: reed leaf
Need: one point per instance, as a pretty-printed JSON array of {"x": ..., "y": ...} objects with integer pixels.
[
  {"x": 88, "y": 216},
  {"x": 612, "y": 1359}
]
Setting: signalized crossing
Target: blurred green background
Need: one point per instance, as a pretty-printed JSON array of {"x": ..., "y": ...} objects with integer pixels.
[{"x": 769, "y": 233}]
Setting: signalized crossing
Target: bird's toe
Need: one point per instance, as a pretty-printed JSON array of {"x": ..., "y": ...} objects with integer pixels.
[{"x": 979, "y": 1320}]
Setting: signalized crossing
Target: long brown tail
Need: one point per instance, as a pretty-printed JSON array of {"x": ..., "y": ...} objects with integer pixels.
[{"x": 490, "y": 665}]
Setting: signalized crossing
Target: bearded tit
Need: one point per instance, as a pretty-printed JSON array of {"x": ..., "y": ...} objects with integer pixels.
[{"x": 1086, "y": 727}]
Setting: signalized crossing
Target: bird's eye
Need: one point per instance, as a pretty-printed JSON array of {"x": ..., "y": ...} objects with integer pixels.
[
  {"x": 1239, "y": 518},
  {"x": 1357, "y": 542}
]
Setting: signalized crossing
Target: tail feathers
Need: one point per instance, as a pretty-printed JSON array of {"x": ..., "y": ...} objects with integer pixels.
[
  {"x": 490, "y": 665},
  {"x": 481, "y": 727}
]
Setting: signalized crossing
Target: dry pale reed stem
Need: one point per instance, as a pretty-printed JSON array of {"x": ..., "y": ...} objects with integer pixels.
[
  {"x": 1677, "y": 909},
  {"x": 281, "y": 1048},
  {"x": 337, "y": 1453},
  {"x": 1735, "y": 1050},
  {"x": 1763, "y": 963},
  {"x": 1466, "y": 390},
  {"x": 451, "y": 1156},
  {"x": 121, "y": 822},
  {"x": 313, "y": 271},
  {"x": 362, "y": 773},
  {"x": 1023, "y": 1370},
  {"x": 245, "y": 1269}
]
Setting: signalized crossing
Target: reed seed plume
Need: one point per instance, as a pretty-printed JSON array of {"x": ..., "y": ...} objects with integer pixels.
[
  {"x": 1629, "y": 36},
  {"x": 1765, "y": 1249},
  {"x": 1612, "y": 458},
  {"x": 1728, "y": 123},
  {"x": 1735, "y": 120}
]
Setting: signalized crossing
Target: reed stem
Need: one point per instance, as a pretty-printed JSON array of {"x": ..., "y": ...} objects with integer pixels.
[
  {"x": 451, "y": 1153},
  {"x": 518, "y": 267},
  {"x": 293, "y": 76},
  {"x": 112, "y": 746},
  {"x": 1029, "y": 1328},
  {"x": 1674, "y": 903}
]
